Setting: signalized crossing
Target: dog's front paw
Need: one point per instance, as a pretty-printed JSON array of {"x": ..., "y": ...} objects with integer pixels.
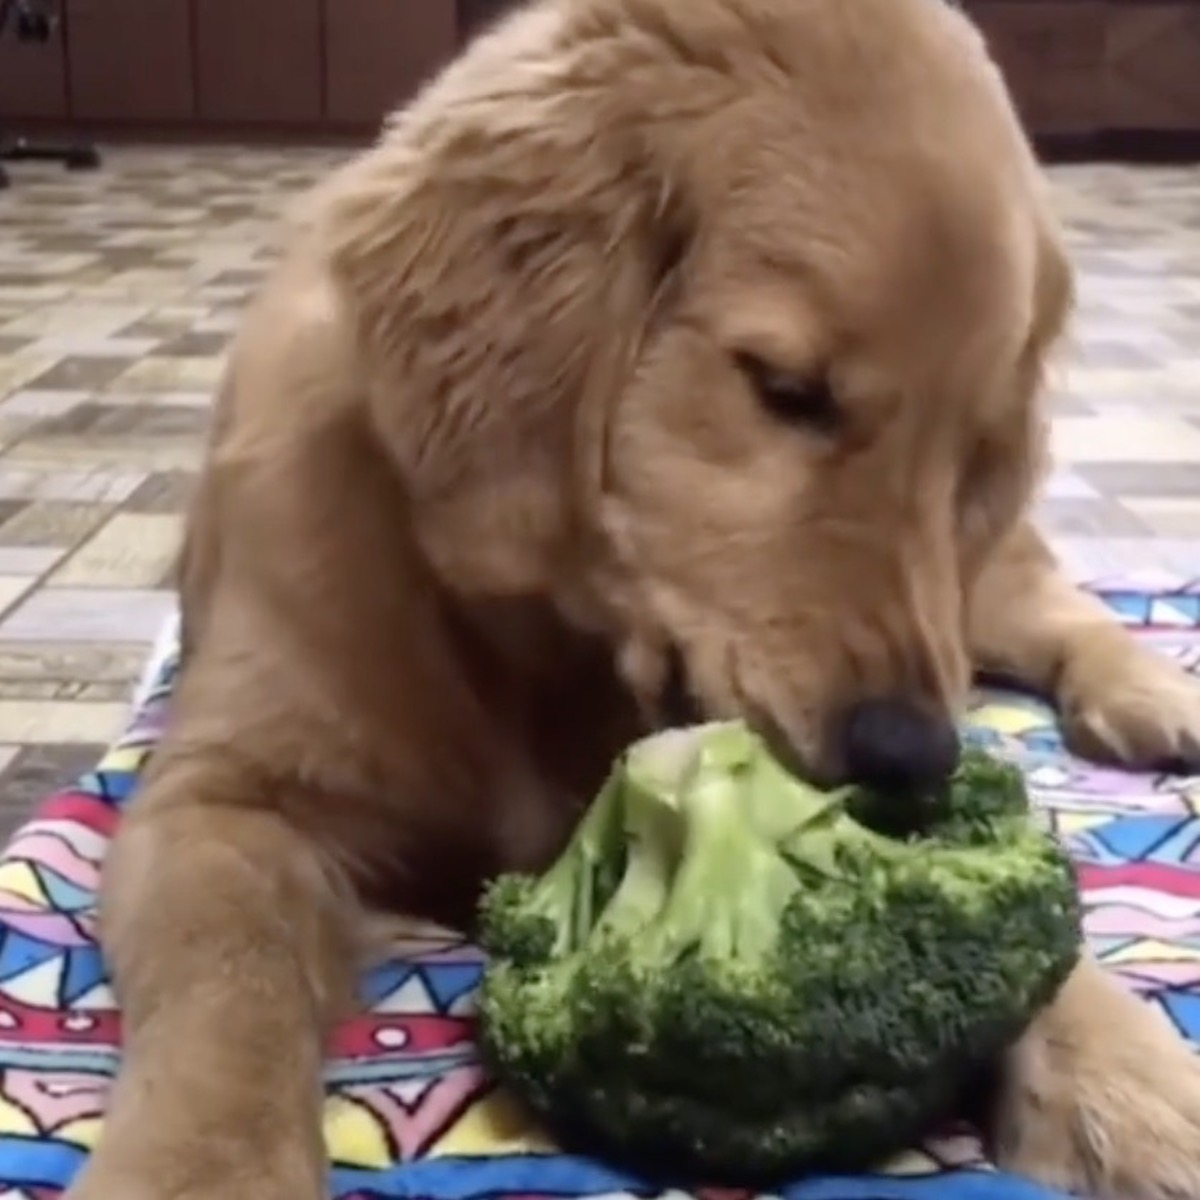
[
  {"x": 1125, "y": 704},
  {"x": 199, "y": 1170},
  {"x": 1102, "y": 1098}
]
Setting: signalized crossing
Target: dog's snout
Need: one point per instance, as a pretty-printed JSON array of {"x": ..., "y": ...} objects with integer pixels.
[{"x": 897, "y": 745}]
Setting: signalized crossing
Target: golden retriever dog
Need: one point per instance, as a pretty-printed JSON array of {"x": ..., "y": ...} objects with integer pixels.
[{"x": 662, "y": 351}]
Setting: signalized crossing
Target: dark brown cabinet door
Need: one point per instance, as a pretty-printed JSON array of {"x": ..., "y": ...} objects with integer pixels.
[
  {"x": 1152, "y": 75},
  {"x": 258, "y": 60},
  {"x": 476, "y": 15},
  {"x": 33, "y": 78},
  {"x": 130, "y": 60},
  {"x": 1052, "y": 54},
  {"x": 379, "y": 52}
]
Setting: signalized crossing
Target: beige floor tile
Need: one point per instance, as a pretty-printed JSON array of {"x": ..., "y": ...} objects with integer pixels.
[
  {"x": 53, "y": 524},
  {"x": 1168, "y": 517},
  {"x": 71, "y": 483},
  {"x": 1146, "y": 439},
  {"x": 53, "y": 722},
  {"x": 132, "y": 550},
  {"x": 162, "y": 401},
  {"x": 64, "y": 663},
  {"x": 12, "y": 588},
  {"x": 43, "y": 405},
  {"x": 29, "y": 561},
  {"x": 142, "y": 455},
  {"x": 62, "y": 614},
  {"x": 90, "y": 346},
  {"x": 24, "y": 297},
  {"x": 18, "y": 370},
  {"x": 170, "y": 375},
  {"x": 75, "y": 320}
]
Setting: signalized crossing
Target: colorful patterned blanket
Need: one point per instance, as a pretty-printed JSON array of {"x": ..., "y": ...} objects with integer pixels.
[{"x": 408, "y": 1112}]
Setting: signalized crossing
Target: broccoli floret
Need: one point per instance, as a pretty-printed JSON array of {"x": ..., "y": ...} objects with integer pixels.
[{"x": 735, "y": 973}]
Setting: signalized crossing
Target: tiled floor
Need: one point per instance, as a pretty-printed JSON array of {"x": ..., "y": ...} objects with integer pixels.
[{"x": 117, "y": 293}]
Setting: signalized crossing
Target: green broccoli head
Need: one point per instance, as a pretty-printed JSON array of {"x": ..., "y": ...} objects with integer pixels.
[{"x": 734, "y": 972}]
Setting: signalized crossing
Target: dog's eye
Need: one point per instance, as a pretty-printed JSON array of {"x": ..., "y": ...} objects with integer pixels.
[{"x": 804, "y": 399}]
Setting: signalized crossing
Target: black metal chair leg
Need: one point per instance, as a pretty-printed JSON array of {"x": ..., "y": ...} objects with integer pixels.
[
  {"x": 39, "y": 21},
  {"x": 83, "y": 158},
  {"x": 75, "y": 156}
]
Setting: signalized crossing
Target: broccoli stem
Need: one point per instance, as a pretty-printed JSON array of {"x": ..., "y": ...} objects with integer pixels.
[
  {"x": 616, "y": 863},
  {"x": 809, "y": 828},
  {"x": 709, "y": 813},
  {"x": 653, "y": 835},
  {"x": 573, "y": 892},
  {"x": 687, "y": 818},
  {"x": 781, "y": 808},
  {"x": 731, "y": 885}
]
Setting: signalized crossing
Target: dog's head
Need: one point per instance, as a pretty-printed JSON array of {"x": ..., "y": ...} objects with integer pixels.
[{"x": 719, "y": 325}]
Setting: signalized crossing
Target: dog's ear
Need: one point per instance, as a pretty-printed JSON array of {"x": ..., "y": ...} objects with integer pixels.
[{"x": 501, "y": 275}]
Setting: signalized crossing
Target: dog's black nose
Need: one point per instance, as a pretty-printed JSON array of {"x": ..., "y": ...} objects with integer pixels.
[{"x": 893, "y": 745}]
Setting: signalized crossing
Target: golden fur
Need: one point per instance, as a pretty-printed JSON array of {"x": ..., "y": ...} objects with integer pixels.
[{"x": 485, "y": 460}]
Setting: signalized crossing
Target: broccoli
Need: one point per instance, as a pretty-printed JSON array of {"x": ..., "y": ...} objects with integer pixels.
[{"x": 735, "y": 973}]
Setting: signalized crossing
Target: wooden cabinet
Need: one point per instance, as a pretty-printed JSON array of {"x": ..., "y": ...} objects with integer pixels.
[
  {"x": 379, "y": 52},
  {"x": 474, "y": 15},
  {"x": 33, "y": 78},
  {"x": 130, "y": 60},
  {"x": 1153, "y": 66},
  {"x": 258, "y": 61},
  {"x": 1091, "y": 70},
  {"x": 1053, "y": 57},
  {"x": 289, "y": 65},
  {"x": 1100, "y": 68}
]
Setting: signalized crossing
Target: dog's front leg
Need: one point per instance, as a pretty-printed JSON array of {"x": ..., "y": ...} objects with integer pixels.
[
  {"x": 1120, "y": 701},
  {"x": 227, "y": 940},
  {"x": 1102, "y": 1097}
]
